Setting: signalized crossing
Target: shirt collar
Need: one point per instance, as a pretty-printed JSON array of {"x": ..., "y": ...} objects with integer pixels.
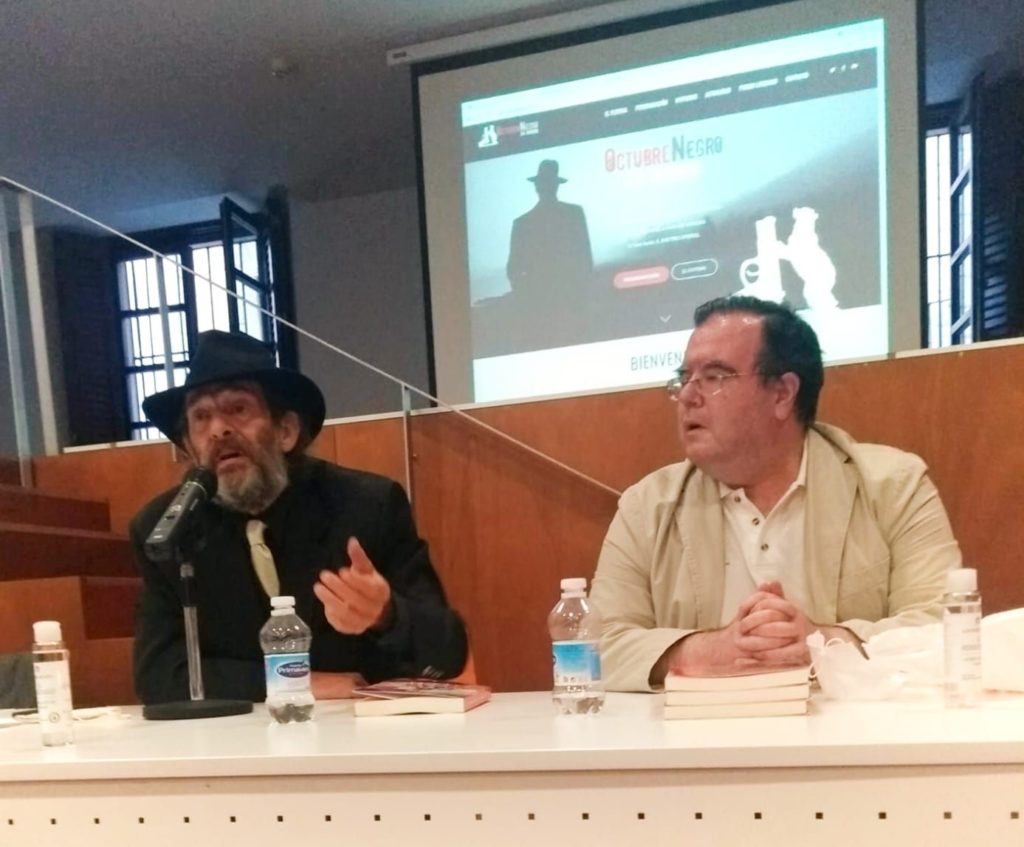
[{"x": 801, "y": 475}]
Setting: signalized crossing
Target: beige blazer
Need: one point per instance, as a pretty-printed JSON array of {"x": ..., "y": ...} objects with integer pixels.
[{"x": 877, "y": 547}]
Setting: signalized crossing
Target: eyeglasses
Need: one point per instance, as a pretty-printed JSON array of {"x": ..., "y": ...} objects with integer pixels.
[{"x": 706, "y": 386}]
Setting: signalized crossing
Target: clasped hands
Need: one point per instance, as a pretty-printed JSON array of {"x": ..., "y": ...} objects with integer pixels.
[
  {"x": 767, "y": 631},
  {"x": 355, "y": 598}
]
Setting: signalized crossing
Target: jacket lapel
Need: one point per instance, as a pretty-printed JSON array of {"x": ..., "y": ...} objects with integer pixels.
[
  {"x": 303, "y": 525},
  {"x": 831, "y": 492},
  {"x": 701, "y": 527}
]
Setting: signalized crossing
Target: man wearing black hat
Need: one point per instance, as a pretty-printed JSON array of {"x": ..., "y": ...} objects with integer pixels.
[
  {"x": 550, "y": 262},
  {"x": 342, "y": 541}
]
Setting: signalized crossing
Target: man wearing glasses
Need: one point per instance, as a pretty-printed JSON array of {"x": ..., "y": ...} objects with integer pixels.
[{"x": 775, "y": 525}]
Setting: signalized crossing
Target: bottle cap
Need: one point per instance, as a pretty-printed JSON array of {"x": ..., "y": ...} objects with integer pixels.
[
  {"x": 574, "y": 583},
  {"x": 282, "y": 602},
  {"x": 46, "y": 632},
  {"x": 962, "y": 581}
]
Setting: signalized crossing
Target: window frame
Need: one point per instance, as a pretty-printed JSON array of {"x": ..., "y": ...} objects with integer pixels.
[{"x": 181, "y": 241}]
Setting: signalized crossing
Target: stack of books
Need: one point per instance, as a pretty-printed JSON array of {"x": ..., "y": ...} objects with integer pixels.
[
  {"x": 754, "y": 695},
  {"x": 417, "y": 696}
]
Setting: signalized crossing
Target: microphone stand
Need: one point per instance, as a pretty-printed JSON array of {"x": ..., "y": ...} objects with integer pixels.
[
  {"x": 195, "y": 668},
  {"x": 197, "y": 706}
]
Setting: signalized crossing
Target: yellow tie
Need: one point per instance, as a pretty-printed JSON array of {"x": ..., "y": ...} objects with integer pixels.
[{"x": 262, "y": 558}]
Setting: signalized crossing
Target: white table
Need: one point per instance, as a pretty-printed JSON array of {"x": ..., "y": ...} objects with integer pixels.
[{"x": 514, "y": 773}]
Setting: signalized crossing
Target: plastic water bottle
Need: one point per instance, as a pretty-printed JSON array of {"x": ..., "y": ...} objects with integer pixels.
[
  {"x": 285, "y": 640},
  {"x": 53, "y": 683},
  {"x": 575, "y": 628},
  {"x": 961, "y": 635}
]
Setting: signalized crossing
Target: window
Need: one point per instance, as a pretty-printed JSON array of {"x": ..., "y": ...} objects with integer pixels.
[
  {"x": 961, "y": 263},
  {"x": 950, "y": 225},
  {"x": 163, "y": 307},
  {"x": 145, "y": 337},
  {"x": 937, "y": 235}
]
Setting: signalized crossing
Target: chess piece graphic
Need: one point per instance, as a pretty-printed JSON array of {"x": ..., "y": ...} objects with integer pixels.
[
  {"x": 810, "y": 261},
  {"x": 761, "y": 275}
]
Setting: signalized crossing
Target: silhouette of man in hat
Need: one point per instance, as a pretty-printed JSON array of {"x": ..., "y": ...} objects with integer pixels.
[
  {"x": 550, "y": 261},
  {"x": 343, "y": 543}
]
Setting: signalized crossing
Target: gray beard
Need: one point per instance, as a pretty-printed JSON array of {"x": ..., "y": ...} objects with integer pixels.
[{"x": 257, "y": 489}]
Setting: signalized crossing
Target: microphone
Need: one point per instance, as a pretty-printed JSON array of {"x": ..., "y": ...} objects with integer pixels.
[
  {"x": 199, "y": 486},
  {"x": 163, "y": 544}
]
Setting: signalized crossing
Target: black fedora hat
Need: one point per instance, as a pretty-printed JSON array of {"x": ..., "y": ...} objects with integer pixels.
[
  {"x": 231, "y": 357},
  {"x": 547, "y": 173}
]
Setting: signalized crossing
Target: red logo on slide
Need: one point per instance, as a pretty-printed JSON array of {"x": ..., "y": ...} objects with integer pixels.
[
  {"x": 681, "y": 149},
  {"x": 624, "y": 160}
]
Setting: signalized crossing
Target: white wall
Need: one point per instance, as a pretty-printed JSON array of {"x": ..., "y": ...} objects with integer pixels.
[{"x": 359, "y": 285}]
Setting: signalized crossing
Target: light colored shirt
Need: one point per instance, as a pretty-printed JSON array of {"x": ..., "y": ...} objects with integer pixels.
[{"x": 764, "y": 548}]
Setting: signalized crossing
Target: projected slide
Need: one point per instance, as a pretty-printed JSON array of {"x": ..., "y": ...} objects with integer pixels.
[{"x": 600, "y": 212}]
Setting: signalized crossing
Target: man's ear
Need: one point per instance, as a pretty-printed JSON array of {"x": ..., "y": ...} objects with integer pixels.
[
  {"x": 788, "y": 388},
  {"x": 288, "y": 429}
]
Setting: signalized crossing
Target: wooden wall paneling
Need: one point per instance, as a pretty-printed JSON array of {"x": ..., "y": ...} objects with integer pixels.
[
  {"x": 101, "y": 668},
  {"x": 101, "y": 673},
  {"x": 126, "y": 477},
  {"x": 615, "y": 438},
  {"x": 24, "y": 601},
  {"x": 504, "y": 527},
  {"x": 371, "y": 445},
  {"x": 24, "y": 505},
  {"x": 323, "y": 445},
  {"x": 108, "y": 605},
  {"x": 28, "y": 551},
  {"x": 10, "y": 471}
]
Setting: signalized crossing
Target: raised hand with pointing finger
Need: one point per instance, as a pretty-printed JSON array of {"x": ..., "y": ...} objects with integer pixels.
[{"x": 356, "y": 598}]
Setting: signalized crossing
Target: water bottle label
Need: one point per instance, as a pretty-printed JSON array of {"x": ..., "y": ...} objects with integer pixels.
[
  {"x": 576, "y": 662},
  {"x": 962, "y": 636},
  {"x": 286, "y": 672},
  {"x": 53, "y": 695}
]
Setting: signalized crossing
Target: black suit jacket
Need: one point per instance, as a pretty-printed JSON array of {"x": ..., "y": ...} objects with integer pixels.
[{"x": 308, "y": 528}]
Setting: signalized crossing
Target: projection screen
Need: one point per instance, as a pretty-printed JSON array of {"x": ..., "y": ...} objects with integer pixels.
[{"x": 580, "y": 201}]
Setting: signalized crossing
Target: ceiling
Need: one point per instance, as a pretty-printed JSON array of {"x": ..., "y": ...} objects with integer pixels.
[{"x": 111, "y": 105}]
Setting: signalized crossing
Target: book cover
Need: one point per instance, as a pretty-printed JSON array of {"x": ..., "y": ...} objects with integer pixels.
[
  {"x": 418, "y": 696},
  {"x": 756, "y": 680},
  {"x": 778, "y": 693},
  {"x": 737, "y": 710}
]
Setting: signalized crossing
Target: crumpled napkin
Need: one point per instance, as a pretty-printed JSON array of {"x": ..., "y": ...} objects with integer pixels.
[
  {"x": 898, "y": 657},
  {"x": 1002, "y": 650},
  {"x": 913, "y": 656}
]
